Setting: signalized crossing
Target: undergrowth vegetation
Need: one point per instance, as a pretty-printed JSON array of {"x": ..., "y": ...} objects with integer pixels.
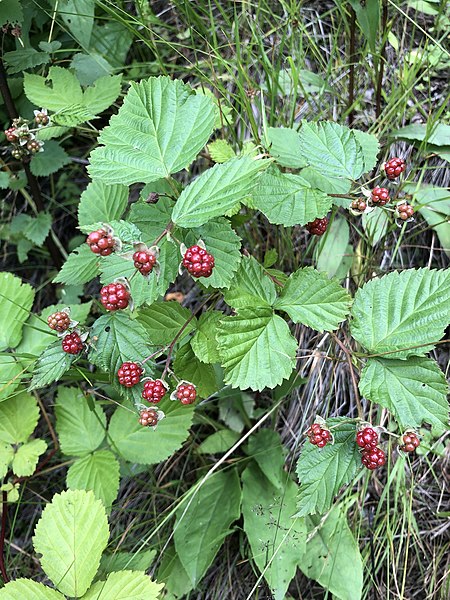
[{"x": 225, "y": 300}]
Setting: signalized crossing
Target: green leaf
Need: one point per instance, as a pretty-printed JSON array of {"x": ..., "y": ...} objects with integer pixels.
[
  {"x": 78, "y": 16},
  {"x": 98, "y": 472},
  {"x": 309, "y": 297},
  {"x": 100, "y": 203},
  {"x": 159, "y": 130},
  {"x": 415, "y": 390},
  {"x": 173, "y": 574},
  {"x": 216, "y": 191},
  {"x": 72, "y": 115},
  {"x": 437, "y": 134},
  {"x": 163, "y": 320},
  {"x": 435, "y": 210},
  {"x": 285, "y": 147},
  {"x": 59, "y": 90},
  {"x": 368, "y": 17},
  {"x": 125, "y": 585},
  {"x": 326, "y": 183},
  {"x": 10, "y": 374},
  {"x": 204, "y": 342},
  {"x": 53, "y": 158},
  {"x": 119, "y": 561},
  {"x": 6, "y": 457},
  {"x": 25, "y": 58},
  {"x": 11, "y": 12},
  {"x": 221, "y": 151},
  {"x": 277, "y": 541},
  {"x": 112, "y": 40},
  {"x": 80, "y": 423},
  {"x": 78, "y": 521},
  {"x": 26, "y": 457},
  {"x": 375, "y": 225},
  {"x": 50, "y": 47},
  {"x": 90, "y": 67},
  {"x": 250, "y": 286},
  {"x": 332, "y": 150},
  {"x": 322, "y": 472},
  {"x": 403, "y": 314},
  {"x": 266, "y": 450},
  {"x": 187, "y": 366},
  {"x": 256, "y": 348},
  {"x": 34, "y": 229},
  {"x": 31, "y": 590},
  {"x": 102, "y": 94},
  {"x": 144, "y": 445},
  {"x": 80, "y": 267},
  {"x": 218, "y": 442},
  {"x": 288, "y": 199},
  {"x": 16, "y": 300},
  {"x": 334, "y": 253},
  {"x": 151, "y": 219},
  {"x": 369, "y": 143},
  {"x": 51, "y": 365},
  {"x": 118, "y": 340},
  {"x": 19, "y": 416},
  {"x": 204, "y": 521},
  {"x": 332, "y": 555}
]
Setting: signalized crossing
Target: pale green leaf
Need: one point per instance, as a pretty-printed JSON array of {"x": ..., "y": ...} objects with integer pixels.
[
  {"x": 256, "y": 348},
  {"x": 27, "y": 456},
  {"x": 368, "y": 17},
  {"x": 204, "y": 342},
  {"x": 51, "y": 365},
  {"x": 125, "y": 585},
  {"x": 102, "y": 93},
  {"x": 24, "y": 58},
  {"x": 53, "y": 158},
  {"x": 100, "y": 203},
  {"x": 221, "y": 151},
  {"x": 369, "y": 143},
  {"x": 159, "y": 130},
  {"x": 332, "y": 556},
  {"x": 334, "y": 254},
  {"x": 72, "y": 115},
  {"x": 204, "y": 521},
  {"x": 326, "y": 183},
  {"x": 437, "y": 134},
  {"x": 375, "y": 225},
  {"x": 188, "y": 367},
  {"x": 98, "y": 472},
  {"x": 51, "y": 131},
  {"x": 6, "y": 457},
  {"x": 78, "y": 17},
  {"x": 216, "y": 191},
  {"x": 288, "y": 199},
  {"x": 311, "y": 298},
  {"x": 77, "y": 520},
  {"x": 147, "y": 446},
  {"x": 80, "y": 424},
  {"x": 250, "y": 286},
  {"x": 415, "y": 390},
  {"x": 218, "y": 442},
  {"x": 16, "y": 299},
  {"x": 285, "y": 147},
  {"x": 323, "y": 471},
  {"x": 26, "y": 589},
  {"x": 151, "y": 219},
  {"x": 80, "y": 267},
  {"x": 10, "y": 374},
  {"x": 163, "y": 320},
  {"x": 55, "y": 92},
  {"x": 19, "y": 416},
  {"x": 266, "y": 450},
  {"x": 403, "y": 314}
]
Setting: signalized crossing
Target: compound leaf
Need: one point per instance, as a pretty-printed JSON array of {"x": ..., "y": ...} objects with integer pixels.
[
  {"x": 98, "y": 472},
  {"x": 26, "y": 457}
]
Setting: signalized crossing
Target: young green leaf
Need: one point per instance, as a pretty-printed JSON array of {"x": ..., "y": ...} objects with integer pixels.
[
  {"x": 159, "y": 130},
  {"x": 410, "y": 310},
  {"x": 415, "y": 390},
  {"x": 322, "y": 472},
  {"x": 80, "y": 267},
  {"x": 204, "y": 520},
  {"x": 99, "y": 96},
  {"x": 51, "y": 365},
  {"x": 204, "y": 342},
  {"x": 187, "y": 366},
  {"x": 31, "y": 590},
  {"x": 288, "y": 199},
  {"x": 216, "y": 191},
  {"x": 27, "y": 456},
  {"x": 256, "y": 348},
  {"x": 285, "y": 147},
  {"x": 221, "y": 151},
  {"x": 250, "y": 286},
  {"x": 163, "y": 320},
  {"x": 81, "y": 426},
  {"x": 277, "y": 540},
  {"x": 334, "y": 254},
  {"x": 19, "y": 416},
  {"x": 125, "y": 585},
  {"x": 16, "y": 300},
  {"x": 34, "y": 229},
  {"x": 55, "y": 92},
  {"x": 100, "y": 203},
  {"x": 309, "y": 297},
  {"x": 6, "y": 458},
  {"x": 98, "y": 472}
]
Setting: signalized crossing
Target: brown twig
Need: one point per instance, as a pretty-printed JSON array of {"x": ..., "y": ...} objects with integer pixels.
[
  {"x": 2, "y": 536},
  {"x": 348, "y": 356}
]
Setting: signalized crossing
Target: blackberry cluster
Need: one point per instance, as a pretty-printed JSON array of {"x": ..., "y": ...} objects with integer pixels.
[
  {"x": 318, "y": 226},
  {"x": 372, "y": 457},
  {"x": 154, "y": 391},
  {"x": 114, "y": 296},
  {"x": 198, "y": 262},
  {"x": 319, "y": 436},
  {"x": 129, "y": 374}
]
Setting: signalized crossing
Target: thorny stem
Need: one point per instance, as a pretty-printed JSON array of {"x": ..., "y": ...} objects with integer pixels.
[
  {"x": 2, "y": 536},
  {"x": 348, "y": 356}
]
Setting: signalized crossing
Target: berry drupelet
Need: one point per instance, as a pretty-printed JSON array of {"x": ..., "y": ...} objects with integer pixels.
[
  {"x": 410, "y": 442},
  {"x": 186, "y": 393},
  {"x": 359, "y": 205},
  {"x": 100, "y": 242},
  {"x": 405, "y": 211},
  {"x": 114, "y": 296},
  {"x": 367, "y": 438},
  {"x": 372, "y": 458},
  {"x": 129, "y": 374}
]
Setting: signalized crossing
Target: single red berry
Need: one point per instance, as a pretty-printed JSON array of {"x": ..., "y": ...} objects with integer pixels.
[
  {"x": 59, "y": 321},
  {"x": 148, "y": 417},
  {"x": 198, "y": 261},
  {"x": 367, "y": 438},
  {"x": 129, "y": 374},
  {"x": 154, "y": 390},
  {"x": 380, "y": 196},
  {"x": 114, "y": 296},
  {"x": 318, "y": 435},
  {"x": 410, "y": 442},
  {"x": 72, "y": 343},
  {"x": 405, "y": 211},
  {"x": 318, "y": 226},
  {"x": 372, "y": 458},
  {"x": 186, "y": 393},
  {"x": 11, "y": 135},
  {"x": 100, "y": 242},
  {"x": 359, "y": 205},
  {"x": 394, "y": 167},
  {"x": 144, "y": 261}
]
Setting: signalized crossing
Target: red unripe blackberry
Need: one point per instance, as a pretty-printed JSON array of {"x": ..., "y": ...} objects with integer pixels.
[
  {"x": 144, "y": 261},
  {"x": 72, "y": 343},
  {"x": 318, "y": 226},
  {"x": 129, "y": 374},
  {"x": 11, "y": 135},
  {"x": 100, "y": 242},
  {"x": 148, "y": 417},
  {"x": 198, "y": 261},
  {"x": 372, "y": 458},
  {"x": 114, "y": 296},
  {"x": 410, "y": 442},
  {"x": 186, "y": 393},
  {"x": 359, "y": 205},
  {"x": 405, "y": 211},
  {"x": 367, "y": 438},
  {"x": 394, "y": 167},
  {"x": 380, "y": 196},
  {"x": 154, "y": 390},
  {"x": 318, "y": 435},
  {"x": 59, "y": 321}
]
